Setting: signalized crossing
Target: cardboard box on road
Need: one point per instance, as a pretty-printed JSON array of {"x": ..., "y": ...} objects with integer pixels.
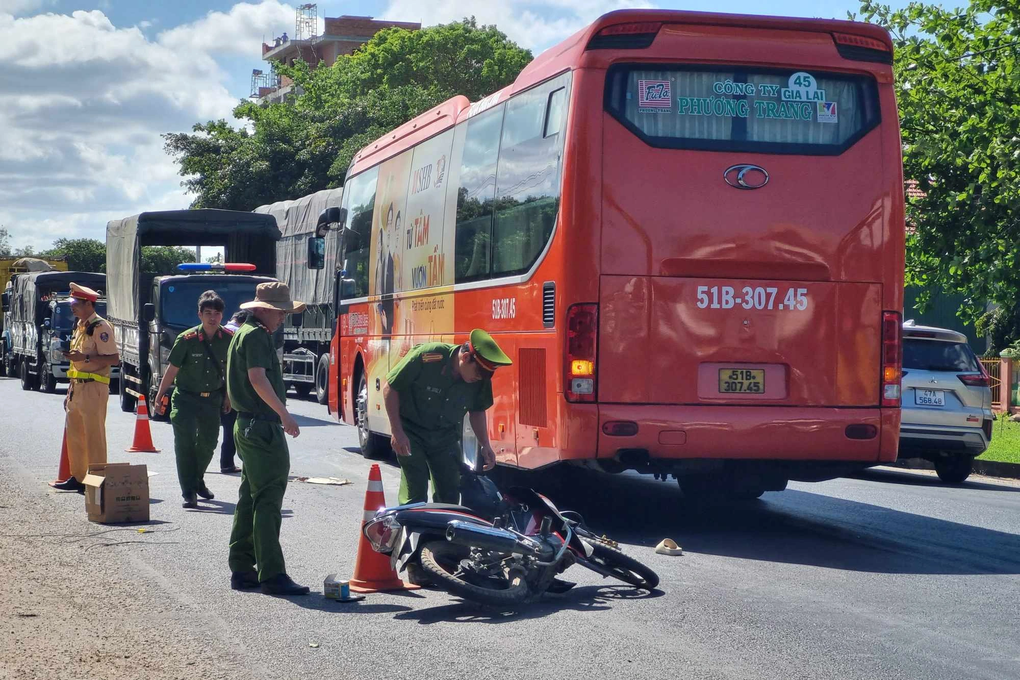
[{"x": 117, "y": 493}]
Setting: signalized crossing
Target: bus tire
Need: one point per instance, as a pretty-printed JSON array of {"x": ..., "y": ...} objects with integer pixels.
[
  {"x": 373, "y": 446},
  {"x": 322, "y": 380}
]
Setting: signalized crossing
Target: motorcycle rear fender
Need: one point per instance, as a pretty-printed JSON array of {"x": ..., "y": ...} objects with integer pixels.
[{"x": 427, "y": 520}]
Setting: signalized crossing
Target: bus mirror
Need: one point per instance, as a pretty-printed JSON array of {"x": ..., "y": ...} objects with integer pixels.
[
  {"x": 316, "y": 252},
  {"x": 347, "y": 288},
  {"x": 327, "y": 217},
  {"x": 149, "y": 312}
]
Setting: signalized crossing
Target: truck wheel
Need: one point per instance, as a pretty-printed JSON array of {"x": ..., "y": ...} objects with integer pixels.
[
  {"x": 4, "y": 366},
  {"x": 373, "y": 446},
  {"x": 26, "y": 383},
  {"x": 127, "y": 402},
  {"x": 322, "y": 380},
  {"x": 49, "y": 382}
]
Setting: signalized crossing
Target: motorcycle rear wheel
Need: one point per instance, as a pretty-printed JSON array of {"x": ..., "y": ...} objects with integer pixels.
[
  {"x": 623, "y": 567},
  {"x": 442, "y": 561}
]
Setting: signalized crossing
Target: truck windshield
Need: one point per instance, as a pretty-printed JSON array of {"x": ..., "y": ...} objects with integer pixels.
[
  {"x": 63, "y": 317},
  {"x": 180, "y": 300}
]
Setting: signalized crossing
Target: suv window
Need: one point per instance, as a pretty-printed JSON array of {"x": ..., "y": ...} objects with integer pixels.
[{"x": 935, "y": 355}]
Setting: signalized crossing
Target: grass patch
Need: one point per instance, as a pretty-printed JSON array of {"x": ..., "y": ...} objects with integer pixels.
[{"x": 1005, "y": 446}]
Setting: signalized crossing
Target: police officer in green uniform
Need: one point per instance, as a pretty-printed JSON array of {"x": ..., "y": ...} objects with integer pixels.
[
  {"x": 426, "y": 397},
  {"x": 197, "y": 368},
  {"x": 257, "y": 393}
]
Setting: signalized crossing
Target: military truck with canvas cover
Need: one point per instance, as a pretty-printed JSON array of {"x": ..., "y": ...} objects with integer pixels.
[
  {"x": 306, "y": 343},
  {"x": 149, "y": 311},
  {"x": 10, "y": 268},
  {"x": 41, "y": 323}
]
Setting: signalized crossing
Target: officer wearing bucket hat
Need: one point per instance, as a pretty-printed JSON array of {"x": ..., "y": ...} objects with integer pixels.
[
  {"x": 93, "y": 352},
  {"x": 256, "y": 391},
  {"x": 426, "y": 396}
]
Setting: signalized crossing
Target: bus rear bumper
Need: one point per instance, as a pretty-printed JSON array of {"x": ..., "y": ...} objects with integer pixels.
[{"x": 665, "y": 432}]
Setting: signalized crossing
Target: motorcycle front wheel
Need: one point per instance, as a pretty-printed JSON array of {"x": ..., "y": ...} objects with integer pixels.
[
  {"x": 446, "y": 564},
  {"x": 622, "y": 567}
]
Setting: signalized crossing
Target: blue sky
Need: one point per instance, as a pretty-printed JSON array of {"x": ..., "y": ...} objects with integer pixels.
[{"x": 87, "y": 87}]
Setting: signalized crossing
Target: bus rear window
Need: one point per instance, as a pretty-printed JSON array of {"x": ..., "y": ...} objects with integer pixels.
[{"x": 743, "y": 109}]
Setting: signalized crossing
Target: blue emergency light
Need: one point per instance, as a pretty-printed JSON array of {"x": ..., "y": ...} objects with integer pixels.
[{"x": 216, "y": 267}]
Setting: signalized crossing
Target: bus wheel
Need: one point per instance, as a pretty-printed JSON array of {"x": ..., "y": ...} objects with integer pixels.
[
  {"x": 49, "y": 382},
  {"x": 373, "y": 446},
  {"x": 322, "y": 380}
]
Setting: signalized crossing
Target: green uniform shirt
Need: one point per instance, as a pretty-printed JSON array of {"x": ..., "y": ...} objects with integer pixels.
[
  {"x": 432, "y": 401},
  {"x": 197, "y": 371},
  {"x": 252, "y": 347}
]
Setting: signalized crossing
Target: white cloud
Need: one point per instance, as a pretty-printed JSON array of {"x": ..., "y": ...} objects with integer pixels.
[
  {"x": 19, "y": 6},
  {"x": 535, "y": 24},
  {"x": 239, "y": 31},
  {"x": 83, "y": 104}
]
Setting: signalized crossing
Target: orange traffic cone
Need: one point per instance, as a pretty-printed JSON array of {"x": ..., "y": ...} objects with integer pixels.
[
  {"x": 64, "y": 473},
  {"x": 372, "y": 571},
  {"x": 143, "y": 436}
]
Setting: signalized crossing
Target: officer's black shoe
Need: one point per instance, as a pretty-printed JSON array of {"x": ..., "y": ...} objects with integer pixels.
[
  {"x": 239, "y": 580},
  {"x": 190, "y": 501},
  {"x": 281, "y": 584},
  {"x": 205, "y": 493},
  {"x": 69, "y": 484}
]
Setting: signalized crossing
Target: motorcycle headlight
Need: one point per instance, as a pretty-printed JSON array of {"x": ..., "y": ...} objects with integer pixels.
[{"x": 382, "y": 533}]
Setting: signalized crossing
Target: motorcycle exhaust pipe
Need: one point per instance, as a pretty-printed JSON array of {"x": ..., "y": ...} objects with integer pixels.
[{"x": 478, "y": 536}]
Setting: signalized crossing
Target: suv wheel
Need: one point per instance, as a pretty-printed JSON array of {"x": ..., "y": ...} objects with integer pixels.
[{"x": 954, "y": 470}]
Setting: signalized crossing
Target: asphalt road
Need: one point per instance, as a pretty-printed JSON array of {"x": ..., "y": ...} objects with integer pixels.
[{"x": 891, "y": 575}]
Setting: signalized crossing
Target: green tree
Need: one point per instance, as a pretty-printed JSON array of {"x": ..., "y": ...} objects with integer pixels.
[
  {"x": 5, "y": 242},
  {"x": 83, "y": 254},
  {"x": 163, "y": 260},
  {"x": 305, "y": 145},
  {"x": 958, "y": 92}
]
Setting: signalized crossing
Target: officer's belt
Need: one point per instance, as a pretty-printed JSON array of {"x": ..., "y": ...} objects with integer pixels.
[
  {"x": 82, "y": 376},
  {"x": 269, "y": 417},
  {"x": 204, "y": 395}
]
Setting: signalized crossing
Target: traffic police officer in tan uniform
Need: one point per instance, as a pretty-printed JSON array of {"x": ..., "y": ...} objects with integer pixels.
[
  {"x": 93, "y": 352},
  {"x": 426, "y": 397}
]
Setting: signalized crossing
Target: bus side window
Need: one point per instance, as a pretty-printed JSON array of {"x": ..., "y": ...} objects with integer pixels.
[
  {"x": 358, "y": 239},
  {"x": 528, "y": 176},
  {"x": 475, "y": 195}
]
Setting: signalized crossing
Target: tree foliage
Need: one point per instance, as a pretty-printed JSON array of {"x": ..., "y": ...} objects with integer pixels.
[
  {"x": 83, "y": 254},
  {"x": 288, "y": 150},
  {"x": 958, "y": 91}
]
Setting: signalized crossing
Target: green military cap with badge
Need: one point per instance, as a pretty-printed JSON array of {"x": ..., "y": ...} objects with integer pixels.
[{"x": 486, "y": 352}]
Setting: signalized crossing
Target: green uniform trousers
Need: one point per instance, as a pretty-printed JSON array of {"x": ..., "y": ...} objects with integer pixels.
[
  {"x": 196, "y": 422},
  {"x": 265, "y": 458},
  {"x": 440, "y": 462}
]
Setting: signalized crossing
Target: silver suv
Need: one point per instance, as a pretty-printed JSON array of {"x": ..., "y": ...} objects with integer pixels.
[{"x": 947, "y": 403}]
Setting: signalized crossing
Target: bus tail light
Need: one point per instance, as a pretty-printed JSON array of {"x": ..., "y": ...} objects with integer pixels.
[
  {"x": 892, "y": 358},
  {"x": 861, "y": 48},
  {"x": 635, "y": 35},
  {"x": 580, "y": 367}
]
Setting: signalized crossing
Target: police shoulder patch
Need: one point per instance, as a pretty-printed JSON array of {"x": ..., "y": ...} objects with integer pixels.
[
  {"x": 431, "y": 357},
  {"x": 226, "y": 330},
  {"x": 104, "y": 336},
  {"x": 191, "y": 336}
]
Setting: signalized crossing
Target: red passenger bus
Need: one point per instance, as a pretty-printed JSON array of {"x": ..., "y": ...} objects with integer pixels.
[{"x": 687, "y": 231}]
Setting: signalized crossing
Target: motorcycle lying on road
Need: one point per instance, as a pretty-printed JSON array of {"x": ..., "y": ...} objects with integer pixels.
[{"x": 498, "y": 548}]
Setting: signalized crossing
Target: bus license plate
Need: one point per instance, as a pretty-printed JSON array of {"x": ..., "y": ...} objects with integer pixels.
[
  {"x": 930, "y": 397},
  {"x": 741, "y": 380}
]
